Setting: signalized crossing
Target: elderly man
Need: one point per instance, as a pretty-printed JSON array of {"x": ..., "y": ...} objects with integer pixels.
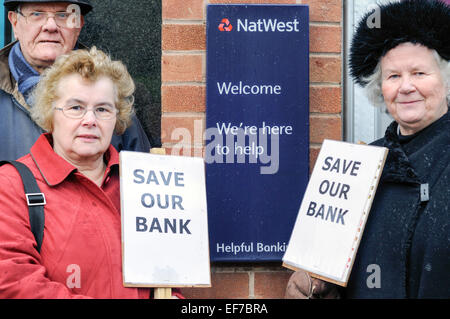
[{"x": 44, "y": 30}]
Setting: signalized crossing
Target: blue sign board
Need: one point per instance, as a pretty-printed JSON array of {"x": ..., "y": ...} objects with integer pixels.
[{"x": 257, "y": 127}]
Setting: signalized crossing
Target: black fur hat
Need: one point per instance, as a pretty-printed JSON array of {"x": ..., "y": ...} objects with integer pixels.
[{"x": 425, "y": 22}]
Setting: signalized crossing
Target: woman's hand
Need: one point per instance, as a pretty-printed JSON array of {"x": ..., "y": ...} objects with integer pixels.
[{"x": 302, "y": 286}]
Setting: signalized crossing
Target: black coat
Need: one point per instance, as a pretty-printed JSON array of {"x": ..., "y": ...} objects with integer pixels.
[{"x": 406, "y": 241}]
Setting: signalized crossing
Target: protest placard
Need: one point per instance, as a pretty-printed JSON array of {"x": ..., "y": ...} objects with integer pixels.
[
  {"x": 334, "y": 210},
  {"x": 164, "y": 221}
]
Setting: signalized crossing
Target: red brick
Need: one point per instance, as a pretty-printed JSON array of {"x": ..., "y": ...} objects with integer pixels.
[
  {"x": 327, "y": 39},
  {"x": 186, "y": 9},
  {"x": 184, "y": 37},
  {"x": 182, "y": 68},
  {"x": 325, "y": 99},
  {"x": 186, "y": 130},
  {"x": 183, "y": 98},
  {"x": 271, "y": 284},
  {"x": 223, "y": 286},
  {"x": 323, "y": 127},
  {"x": 313, "y": 154},
  {"x": 186, "y": 150},
  {"x": 324, "y": 10},
  {"x": 325, "y": 69}
]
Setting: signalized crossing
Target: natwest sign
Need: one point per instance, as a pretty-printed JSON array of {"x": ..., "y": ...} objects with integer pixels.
[
  {"x": 267, "y": 25},
  {"x": 257, "y": 127},
  {"x": 260, "y": 25}
]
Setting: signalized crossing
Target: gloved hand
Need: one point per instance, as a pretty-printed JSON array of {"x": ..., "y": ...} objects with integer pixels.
[{"x": 302, "y": 286}]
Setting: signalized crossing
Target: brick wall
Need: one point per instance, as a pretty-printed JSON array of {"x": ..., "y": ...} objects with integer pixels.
[{"x": 184, "y": 103}]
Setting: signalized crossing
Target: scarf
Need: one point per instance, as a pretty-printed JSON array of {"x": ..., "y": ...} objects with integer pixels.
[{"x": 23, "y": 73}]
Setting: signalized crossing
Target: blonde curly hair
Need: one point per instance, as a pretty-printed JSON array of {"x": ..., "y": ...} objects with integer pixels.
[{"x": 90, "y": 65}]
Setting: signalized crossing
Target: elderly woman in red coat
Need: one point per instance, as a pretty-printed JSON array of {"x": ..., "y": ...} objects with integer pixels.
[{"x": 81, "y": 100}]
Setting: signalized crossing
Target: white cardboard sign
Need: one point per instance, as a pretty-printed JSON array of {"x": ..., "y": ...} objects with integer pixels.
[
  {"x": 165, "y": 239},
  {"x": 334, "y": 210}
]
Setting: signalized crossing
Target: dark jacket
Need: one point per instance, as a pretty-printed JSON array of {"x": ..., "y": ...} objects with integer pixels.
[
  {"x": 18, "y": 132},
  {"x": 407, "y": 237}
]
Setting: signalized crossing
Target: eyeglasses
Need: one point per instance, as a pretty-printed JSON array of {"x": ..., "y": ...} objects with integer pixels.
[
  {"x": 40, "y": 18},
  {"x": 102, "y": 112}
]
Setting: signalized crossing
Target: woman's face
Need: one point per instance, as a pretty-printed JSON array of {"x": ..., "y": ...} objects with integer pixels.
[
  {"x": 413, "y": 87},
  {"x": 83, "y": 140}
]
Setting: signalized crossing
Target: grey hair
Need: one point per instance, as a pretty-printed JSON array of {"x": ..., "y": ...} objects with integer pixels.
[{"x": 373, "y": 86}]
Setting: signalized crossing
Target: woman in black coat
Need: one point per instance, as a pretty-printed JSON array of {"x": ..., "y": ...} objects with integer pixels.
[{"x": 405, "y": 249}]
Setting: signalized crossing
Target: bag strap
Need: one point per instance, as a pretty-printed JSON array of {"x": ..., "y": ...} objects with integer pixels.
[{"x": 35, "y": 201}]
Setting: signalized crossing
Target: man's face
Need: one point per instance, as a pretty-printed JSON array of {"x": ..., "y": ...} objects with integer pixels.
[{"x": 41, "y": 43}]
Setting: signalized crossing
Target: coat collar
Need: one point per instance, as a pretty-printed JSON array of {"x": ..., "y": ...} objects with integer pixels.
[
  {"x": 7, "y": 82},
  {"x": 53, "y": 168},
  {"x": 398, "y": 167}
]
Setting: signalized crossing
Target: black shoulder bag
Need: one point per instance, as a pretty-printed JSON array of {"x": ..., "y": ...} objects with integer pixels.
[{"x": 35, "y": 201}]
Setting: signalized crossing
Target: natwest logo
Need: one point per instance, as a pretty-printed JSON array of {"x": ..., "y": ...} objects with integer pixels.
[
  {"x": 225, "y": 25},
  {"x": 267, "y": 25}
]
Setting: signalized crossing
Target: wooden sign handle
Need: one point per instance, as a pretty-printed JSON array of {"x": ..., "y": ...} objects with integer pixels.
[
  {"x": 157, "y": 150},
  {"x": 163, "y": 293}
]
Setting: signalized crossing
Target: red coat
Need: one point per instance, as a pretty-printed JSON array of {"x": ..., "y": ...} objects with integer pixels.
[{"x": 81, "y": 250}]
